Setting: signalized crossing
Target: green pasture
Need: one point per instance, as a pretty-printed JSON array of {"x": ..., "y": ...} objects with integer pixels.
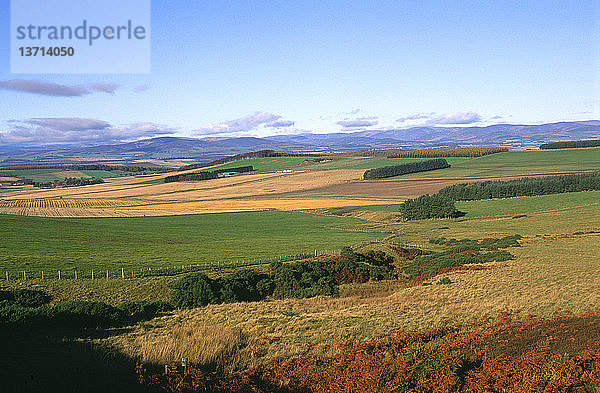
[
  {"x": 529, "y": 204},
  {"x": 35, "y": 243},
  {"x": 514, "y": 163}
]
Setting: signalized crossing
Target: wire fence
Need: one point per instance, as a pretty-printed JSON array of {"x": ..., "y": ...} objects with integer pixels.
[{"x": 128, "y": 273}]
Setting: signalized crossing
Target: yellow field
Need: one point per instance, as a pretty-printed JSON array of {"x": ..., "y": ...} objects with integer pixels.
[
  {"x": 148, "y": 195},
  {"x": 65, "y": 203}
]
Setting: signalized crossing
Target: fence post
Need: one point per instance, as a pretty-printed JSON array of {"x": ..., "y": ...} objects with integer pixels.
[
  {"x": 107, "y": 274},
  {"x": 6, "y": 276},
  {"x": 92, "y": 274},
  {"x": 122, "y": 273},
  {"x": 42, "y": 274},
  {"x": 76, "y": 274},
  {"x": 59, "y": 274},
  {"x": 24, "y": 275}
]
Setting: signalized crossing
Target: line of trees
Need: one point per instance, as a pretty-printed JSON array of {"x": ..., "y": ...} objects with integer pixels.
[
  {"x": 403, "y": 169},
  {"x": 206, "y": 175},
  {"x": 570, "y": 144},
  {"x": 522, "y": 187},
  {"x": 468, "y": 152},
  {"x": 67, "y": 182},
  {"x": 89, "y": 167},
  {"x": 246, "y": 156}
]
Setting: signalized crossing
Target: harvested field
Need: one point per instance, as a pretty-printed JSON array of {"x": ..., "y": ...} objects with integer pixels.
[
  {"x": 65, "y": 174},
  {"x": 399, "y": 189},
  {"x": 138, "y": 209},
  {"x": 262, "y": 204},
  {"x": 65, "y": 203}
]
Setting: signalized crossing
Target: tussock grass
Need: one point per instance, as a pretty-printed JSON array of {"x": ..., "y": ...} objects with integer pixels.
[{"x": 205, "y": 345}]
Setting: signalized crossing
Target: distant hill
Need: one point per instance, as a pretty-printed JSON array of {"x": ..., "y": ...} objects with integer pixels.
[{"x": 207, "y": 149}]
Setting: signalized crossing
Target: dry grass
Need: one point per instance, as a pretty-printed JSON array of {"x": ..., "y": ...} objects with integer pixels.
[
  {"x": 261, "y": 204},
  {"x": 207, "y": 345},
  {"x": 65, "y": 174}
]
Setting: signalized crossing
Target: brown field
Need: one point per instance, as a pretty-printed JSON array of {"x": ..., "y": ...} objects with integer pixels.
[
  {"x": 65, "y": 174},
  {"x": 8, "y": 178},
  {"x": 399, "y": 190}
]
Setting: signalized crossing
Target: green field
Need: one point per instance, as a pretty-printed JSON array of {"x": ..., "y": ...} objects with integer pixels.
[
  {"x": 40, "y": 175},
  {"x": 528, "y": 204},
  {"x": 271, "y": 164},
  {"x": 33, "y": 243},
  {"x": 518, "y": 163},
  {"x": 48, "y": 175}
]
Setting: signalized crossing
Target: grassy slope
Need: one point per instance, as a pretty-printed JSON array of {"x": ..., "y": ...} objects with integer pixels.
[
  {"x": 33, "y": 243},
  {"x": 529, "y": 204},
  {"x": 519, "y": 163}
]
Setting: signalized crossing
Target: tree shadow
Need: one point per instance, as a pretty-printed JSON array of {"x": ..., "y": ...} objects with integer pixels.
[{"x": 51, "y": 360}]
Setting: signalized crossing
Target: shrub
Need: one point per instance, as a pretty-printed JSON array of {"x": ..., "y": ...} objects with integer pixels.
[
  {"x": 244, "y": 286},
  {"x": 429, "y": 206},
  {"x": 444, "y": 281},
  {"x": 303, "y": 279},
  {"x": 26, "y": 297},
  {"x": 143, "y": 310},
  {"x": 194, "y": 290},
  {"x": 77, "y": 313},
  {"x": 31, "y": 298}
]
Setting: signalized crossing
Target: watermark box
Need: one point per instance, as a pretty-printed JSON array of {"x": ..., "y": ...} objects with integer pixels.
[{"x": 80, "y": 36}]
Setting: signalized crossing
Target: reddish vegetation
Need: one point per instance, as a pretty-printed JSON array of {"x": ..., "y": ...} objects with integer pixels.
[{"x": 561, "y": 354}]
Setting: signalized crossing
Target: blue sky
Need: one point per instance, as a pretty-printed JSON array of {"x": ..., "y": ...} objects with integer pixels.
[{"x": 268, "y": 67}]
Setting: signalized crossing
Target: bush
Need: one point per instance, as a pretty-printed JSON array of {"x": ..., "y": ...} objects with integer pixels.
[
  {"x": 31, "y": 298},
  {"x": 244, "y": 286},
  {"x": 194, "y": 290},
  {"x": 303, "y": 279},
  {"x": 144, "y": 310},
  {"x": 26, "y": 297},
  {"x": 429, "y": 206},
  {"x": 462, "y": 252},
  {"x": 77, "y": 313}
]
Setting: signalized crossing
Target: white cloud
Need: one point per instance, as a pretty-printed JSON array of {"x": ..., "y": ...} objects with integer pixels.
[
  {"x": 462, "y": 117},
  {"x": 244, "y": 124},
  {"x": 55, "y": 89},
  {"x": 359, "y": 122},
  {"x": 72, "y": 131}
]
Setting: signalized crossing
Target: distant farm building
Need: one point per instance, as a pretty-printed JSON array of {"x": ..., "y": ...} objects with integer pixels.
[{"x": 228, "y": 174}]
